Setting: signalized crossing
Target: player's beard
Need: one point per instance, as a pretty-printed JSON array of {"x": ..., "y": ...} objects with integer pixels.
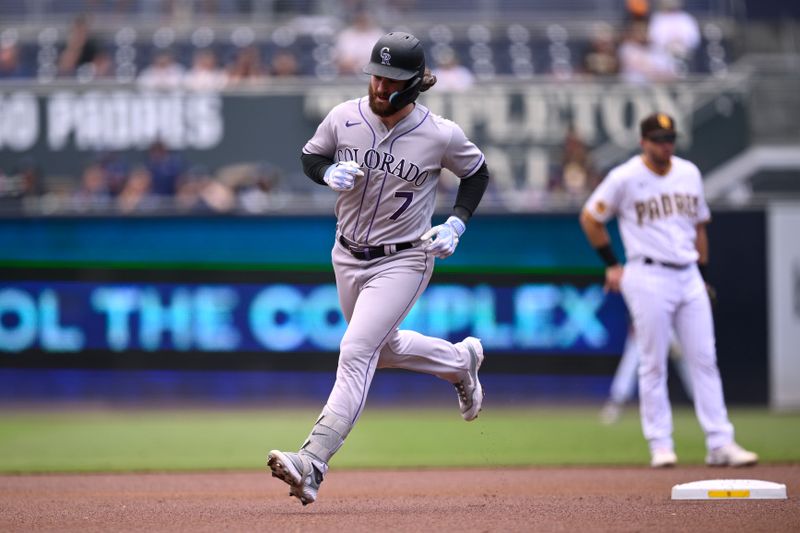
[
  {"x": 660, "y": 155},
  {"x": 380, "y": 108}
]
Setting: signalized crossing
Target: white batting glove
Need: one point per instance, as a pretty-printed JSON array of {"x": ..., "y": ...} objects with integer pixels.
[
  {"x": 342, "y": 176},
  {"x": 446, "y": 237}
]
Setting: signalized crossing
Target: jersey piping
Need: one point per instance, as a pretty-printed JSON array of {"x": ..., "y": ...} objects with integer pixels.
[
  {"x": 380, "y": 193},
  {"x": 369, "y": 171},
  {"x": 475, "y": 167}
]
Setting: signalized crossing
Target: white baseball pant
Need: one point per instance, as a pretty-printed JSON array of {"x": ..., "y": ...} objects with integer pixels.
[{"x": 660, "y": 298}]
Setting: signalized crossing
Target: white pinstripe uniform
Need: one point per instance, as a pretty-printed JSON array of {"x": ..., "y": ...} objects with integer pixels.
[{"x": 662, "y": 287}]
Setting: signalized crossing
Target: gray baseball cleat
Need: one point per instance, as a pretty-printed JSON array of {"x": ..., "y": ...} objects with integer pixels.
[
  {"x": 299, "y": 472},
  {"x": 470, "y": 392}
]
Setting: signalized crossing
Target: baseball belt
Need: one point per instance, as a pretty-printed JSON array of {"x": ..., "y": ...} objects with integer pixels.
[
  {"x": 365, "y": 253},
  {"x": 674, "y": 266}
]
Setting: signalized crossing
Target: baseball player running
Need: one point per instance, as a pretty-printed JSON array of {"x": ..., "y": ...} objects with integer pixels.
[
  {"x": 383, "y": 154},
  {"x": 658, "y": 200}
]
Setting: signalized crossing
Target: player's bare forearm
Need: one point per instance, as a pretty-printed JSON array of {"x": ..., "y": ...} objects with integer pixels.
[
  {"x": 595, "y": 230},
  {"x": 701, "y": 243},
  {"x": 598, "y": 237},
  {"x": 613, "y": 278}
]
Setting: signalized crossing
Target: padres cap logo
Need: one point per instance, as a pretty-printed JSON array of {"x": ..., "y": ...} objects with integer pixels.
[{"x": 664, "y": 121}]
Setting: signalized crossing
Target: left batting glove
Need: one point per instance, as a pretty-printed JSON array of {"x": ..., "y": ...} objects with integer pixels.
[
  {"x": 444, "y": 237},
  {"x": 342, "y": 176}
]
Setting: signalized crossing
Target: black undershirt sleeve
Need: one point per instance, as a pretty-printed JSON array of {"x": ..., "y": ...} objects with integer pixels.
[
  {"x": 315, "y": 166},
  {"x": 470, "y": 192}
]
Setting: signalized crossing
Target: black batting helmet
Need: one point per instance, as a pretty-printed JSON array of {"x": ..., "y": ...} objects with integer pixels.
[{"x": 399, "y": 56}]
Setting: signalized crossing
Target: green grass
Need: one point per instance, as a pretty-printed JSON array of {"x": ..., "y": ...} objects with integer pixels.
[{"x": 193, "y": 439}]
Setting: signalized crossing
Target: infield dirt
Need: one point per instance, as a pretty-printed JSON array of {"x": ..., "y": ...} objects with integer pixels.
[{"x": 532, "y": 499}]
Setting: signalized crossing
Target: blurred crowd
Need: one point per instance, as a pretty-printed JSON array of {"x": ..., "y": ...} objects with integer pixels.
[
  {"x": 654, "y": 43},
  {"x": 85, "y": 58},
  {"x": 652, "y": 46},
  {"x": 162, "y": 181},
  {"x": 659, "y": 42}
]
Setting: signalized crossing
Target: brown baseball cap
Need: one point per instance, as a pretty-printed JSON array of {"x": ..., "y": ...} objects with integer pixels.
[{"x": 658, "y": 126}]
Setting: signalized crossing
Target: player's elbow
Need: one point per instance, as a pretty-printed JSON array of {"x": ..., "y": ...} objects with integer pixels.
[
  {"x": 592, "y": 228},
  {"x": 588, "y": 222}
]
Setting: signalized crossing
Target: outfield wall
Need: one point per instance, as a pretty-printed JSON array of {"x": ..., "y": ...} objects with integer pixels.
[{"x": 193, "y": 298}]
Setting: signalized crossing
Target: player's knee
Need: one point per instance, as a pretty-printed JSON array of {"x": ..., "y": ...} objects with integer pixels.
[
  {"x": 652, "y": 367},
  {"x": 704, "y": 360},
  {"x": 396, "y": 343},
  {"x": 388, "y": 357},
  {"x": 354, "y": 349}
]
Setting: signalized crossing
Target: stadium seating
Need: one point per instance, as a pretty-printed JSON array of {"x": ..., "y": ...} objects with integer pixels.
[{"x": 514, "y": 39}]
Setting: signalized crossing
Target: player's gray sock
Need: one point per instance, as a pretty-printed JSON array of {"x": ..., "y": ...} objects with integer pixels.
[{"x": 326, "y": 437}]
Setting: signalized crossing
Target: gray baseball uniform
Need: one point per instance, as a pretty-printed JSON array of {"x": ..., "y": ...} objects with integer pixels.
[
  {"x": 387, "y": 155},
  {"x": 394, "y": 201},
  {"x": 391, "y": 204}
]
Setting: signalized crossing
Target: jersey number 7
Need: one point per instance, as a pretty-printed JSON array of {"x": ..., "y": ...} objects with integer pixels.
[{"x": 407, "y": 197}]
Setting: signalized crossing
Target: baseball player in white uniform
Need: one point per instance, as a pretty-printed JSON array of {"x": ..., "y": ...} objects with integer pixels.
[
  {"x": 626, "y": 377},
  {"x": 658, "y": 200},
  {"x": 383, "y": 154}
]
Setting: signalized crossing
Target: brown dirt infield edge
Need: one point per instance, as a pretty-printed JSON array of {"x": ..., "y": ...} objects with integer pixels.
[{"x": 519, "y": 499}]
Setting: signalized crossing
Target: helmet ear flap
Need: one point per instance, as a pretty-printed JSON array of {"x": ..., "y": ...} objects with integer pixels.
[{"x": 400, "y": 99}]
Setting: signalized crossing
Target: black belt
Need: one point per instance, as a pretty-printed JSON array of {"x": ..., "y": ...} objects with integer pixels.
[
  {"x": 675, "y": 266},
  {"x": 365, "y": 253}
]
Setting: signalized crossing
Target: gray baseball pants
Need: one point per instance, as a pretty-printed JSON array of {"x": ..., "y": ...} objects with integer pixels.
[{"x": 375, "y": 297}]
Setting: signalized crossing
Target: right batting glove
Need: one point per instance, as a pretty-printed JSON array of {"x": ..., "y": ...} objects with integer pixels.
[
  {"x": 443, "y": 239},
  {"x": 342, "y": 176}
]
